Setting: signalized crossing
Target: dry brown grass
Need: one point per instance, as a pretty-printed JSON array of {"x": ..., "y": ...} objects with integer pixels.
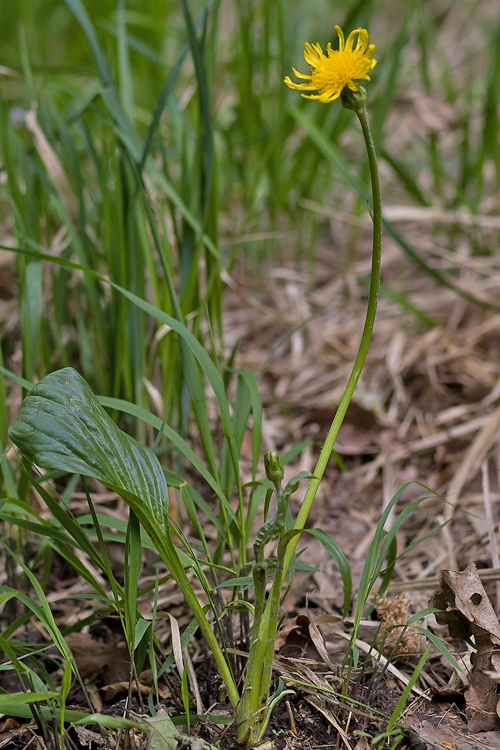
[{"x": 428, "y": 405}]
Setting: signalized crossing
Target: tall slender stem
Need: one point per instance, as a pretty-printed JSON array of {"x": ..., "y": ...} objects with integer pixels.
[
  {"x": 365, "y": 338},
  {"x": 250, "y": 714}
]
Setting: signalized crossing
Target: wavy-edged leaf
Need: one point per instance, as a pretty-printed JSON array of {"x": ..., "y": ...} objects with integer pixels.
[{"x": 61, "y": 425}]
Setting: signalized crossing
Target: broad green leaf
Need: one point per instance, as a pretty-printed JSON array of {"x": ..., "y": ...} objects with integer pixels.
[{"x": 61, "y": 425}]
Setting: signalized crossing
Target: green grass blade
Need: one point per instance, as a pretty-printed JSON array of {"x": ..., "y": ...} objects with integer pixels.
[
  {"x": 403, "y": 698},
  {"x": 378, "y": 551},
  {"x": 206, "y": 125},
  {"x": 60, "y": 543},
  {"x": 14, "y": 700},
  {"x": 124, "y": 68},
  {"x": 42, "y": 610},
  {"x": 132, "y": 567},
  {"x": 335, "y": 550},
  {"x": 441, "y": 647}
]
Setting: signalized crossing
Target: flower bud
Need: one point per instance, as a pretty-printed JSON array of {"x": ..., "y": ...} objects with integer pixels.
[{"x": 274, "y": 468}]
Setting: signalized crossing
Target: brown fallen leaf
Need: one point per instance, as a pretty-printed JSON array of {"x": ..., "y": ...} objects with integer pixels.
[
  {"x": 87, "y": 738},
  {"x": 294, "y": 639},
  {"x": 436, "y": 732},
  {"x": 108, "y": 658},
  {"x": 94, "y": 697},
  {"x": 463, "y": 595},
  {"x": 9, "y": 725},
  {"x": 362, "y": 744},
  {"x": 116, "y": 688}
]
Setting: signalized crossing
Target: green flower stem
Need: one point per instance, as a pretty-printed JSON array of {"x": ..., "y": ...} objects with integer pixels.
[
  {"x": 365, "y": 338},
  {"x": 251, "y": 713}
]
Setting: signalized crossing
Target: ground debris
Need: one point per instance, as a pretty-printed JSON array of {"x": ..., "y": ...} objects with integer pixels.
[
  {"x": 445, "y": 733},
  {"x": 395, "y": 636},
  {"x": 463, "y": 597}
]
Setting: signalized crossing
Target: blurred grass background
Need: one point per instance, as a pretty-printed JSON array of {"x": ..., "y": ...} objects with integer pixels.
[{"x": 156, "y": 144}]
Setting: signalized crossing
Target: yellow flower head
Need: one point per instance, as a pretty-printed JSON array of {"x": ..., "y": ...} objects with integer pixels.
[{"x": 339, "y": 68}]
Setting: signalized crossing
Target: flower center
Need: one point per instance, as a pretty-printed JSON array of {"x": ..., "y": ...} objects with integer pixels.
[{"x": 339, "y": 69}]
